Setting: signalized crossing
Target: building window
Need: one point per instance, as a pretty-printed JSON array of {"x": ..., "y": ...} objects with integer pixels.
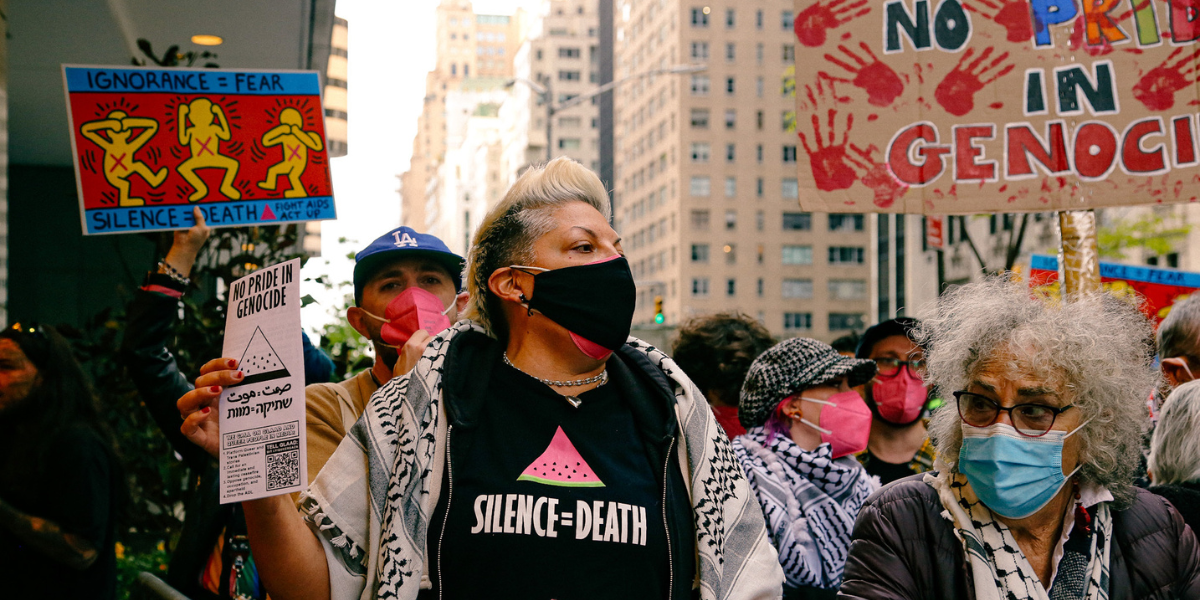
[
  {"x": 700, "y": 287},
  {"x": 730, "y": 220},
  {"x": 789, "y": 53},
  {"x": 730, "y": 118},
  {"x": 797, "y": 255},
  {"x": 789, "y": 153},
  {"x": 569, "y": 76},
  {"x": 758, "y": 153},
  {"x": 700, "y": 17},
  {"x": 789, "y": 188},
  {"x": 847, "y": 289},
  {"x": 729, "y": 86},
  {"x": 538, "y": 54},
  {"x": 787, "y": 120},
  {"x": 760, "y": 291},
  {"x": 759, "y": 119},
  {"x": 758, "y": 53},
  {"x": 730, "y": 254},
  {"x": 797, "y": 321},
  {"x": 569, "y": 122},
  {"x": 730, "y": 52},
  {"x": 797, "y": 288},
  {"x": 786, "y": 20},
  {"x": 699, "y": 118},
  {"x": 730, "y": 152},
  {"x": 700, "y": 253},
  {"x": 701, "y": 186},
  {"x": 760, "y": 223},
  {"x": 570, "y": 143},
  {"x": 758, "y": 187},
  {"x": 761, "y": 249},
  {"x": 730, "y": 18},
  {"x": 453, "y": 69},
  {"x": 797, "y": 221},
  {"x": 730, "y": 287},
  {"x": 845, "y": 222},
  {"x": 700, "y": 152},
  {"x": 845, "y": 255},
  {"x": 845, "y": 322},
  {"x": 700, "y": 220},
  {"x": 700, "y": 50},
  {"x": 758, "y": 19},
  {"x": 730, "y": 187},
  {"x": 699, "y": 85}
]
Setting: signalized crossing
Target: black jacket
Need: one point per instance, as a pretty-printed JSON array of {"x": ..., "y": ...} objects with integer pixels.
[
  {"x": 904, "y": 548},
  {"x": 651, "y": 397},
  {"x": 1185, "y": 497},
  {"x": 152, "y": 367}
]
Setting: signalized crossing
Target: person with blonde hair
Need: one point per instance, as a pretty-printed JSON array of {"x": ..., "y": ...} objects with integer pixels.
[
  {"x": 534, "y": 451},
  {"x": 1174, "y": 461}
]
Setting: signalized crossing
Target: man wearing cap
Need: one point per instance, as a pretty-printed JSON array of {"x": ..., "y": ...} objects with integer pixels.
[
  {"x": 899, "y": 445},
  {"x": 402, "y": 281}
]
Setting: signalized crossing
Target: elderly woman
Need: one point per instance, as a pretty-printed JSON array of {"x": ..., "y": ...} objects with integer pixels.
[
  {"x": 1175, "y": 452},
  {"x": 534, "y": 450},
  {"x": 804, "y": 424},
  {"x": 1036, "y": 458}
]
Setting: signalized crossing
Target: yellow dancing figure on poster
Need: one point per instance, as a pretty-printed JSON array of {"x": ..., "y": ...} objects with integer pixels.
[
  {"x": 203, "y": 137},
  {"x": 296, "y": 144},
  {"x": 119, "y": 163}
]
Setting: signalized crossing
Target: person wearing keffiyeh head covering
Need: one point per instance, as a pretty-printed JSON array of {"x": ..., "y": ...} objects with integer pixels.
[{"x": 804, "y": 423}]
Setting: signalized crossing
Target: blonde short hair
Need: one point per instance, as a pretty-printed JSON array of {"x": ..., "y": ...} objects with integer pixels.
[{"x": 508, "y": 232}]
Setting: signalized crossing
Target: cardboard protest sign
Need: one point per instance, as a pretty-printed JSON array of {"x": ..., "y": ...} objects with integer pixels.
[
  {"x": 247, "y": 147},
  {"x": 1158, "y": 289},
  {"x": 262, "y": 418},
  {"x": 955, "y": 107}
]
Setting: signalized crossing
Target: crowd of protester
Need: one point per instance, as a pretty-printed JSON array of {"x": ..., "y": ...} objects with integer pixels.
[{"x": 1004, "y": 447}]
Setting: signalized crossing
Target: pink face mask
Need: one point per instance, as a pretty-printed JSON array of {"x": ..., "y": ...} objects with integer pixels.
[
  {"x": 845, "y": 423},
  {"x": 899, "y": 398},
  {"x": 412, "y": 309}
]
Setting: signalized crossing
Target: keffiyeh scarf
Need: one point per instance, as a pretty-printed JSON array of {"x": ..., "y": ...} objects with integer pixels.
[
  {"x": 810, "y": 501},
  {"x": 998, "y": 567},
  {"x": 372, "y": 502}
]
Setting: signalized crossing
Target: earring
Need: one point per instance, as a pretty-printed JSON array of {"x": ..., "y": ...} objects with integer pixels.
[{"x": 525, "y": 303}]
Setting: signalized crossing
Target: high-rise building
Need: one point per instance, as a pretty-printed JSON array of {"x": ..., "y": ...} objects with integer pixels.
[
  {"x": 707, "y": 198},
  {"x": 334, "y": 99},
  {"x": 469, "y": 45}
]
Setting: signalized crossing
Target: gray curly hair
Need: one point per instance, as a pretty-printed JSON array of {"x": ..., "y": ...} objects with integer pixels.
[{"x": 1097, "y": 351}]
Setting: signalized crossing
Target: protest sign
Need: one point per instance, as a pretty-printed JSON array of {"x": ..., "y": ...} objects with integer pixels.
[
  {"x": 950, "y": 107},
  {"x": 262, "y": 418},
  {"x": 247, "y": 147},
  {"x": 1158, "y": 289}
]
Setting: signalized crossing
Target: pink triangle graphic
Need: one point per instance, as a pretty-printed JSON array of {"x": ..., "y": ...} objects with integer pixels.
[
  {"x": 267, "y": 213},
  {"x": 561, "y": 465}
]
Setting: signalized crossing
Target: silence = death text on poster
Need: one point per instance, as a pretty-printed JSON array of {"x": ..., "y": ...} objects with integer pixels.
[{"x": 262, "y": 417}]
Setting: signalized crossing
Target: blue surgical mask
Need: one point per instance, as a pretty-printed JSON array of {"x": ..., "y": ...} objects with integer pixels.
[{"x": 1013, "y": 475}]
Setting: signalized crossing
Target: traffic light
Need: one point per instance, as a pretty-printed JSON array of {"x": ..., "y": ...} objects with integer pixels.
[{"x": 658, "y": 311}]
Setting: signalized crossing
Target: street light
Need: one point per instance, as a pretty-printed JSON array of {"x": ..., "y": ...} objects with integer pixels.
[{"x": 543, "y": 91}]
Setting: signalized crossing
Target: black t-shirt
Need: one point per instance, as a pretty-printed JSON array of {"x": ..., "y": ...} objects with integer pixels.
[
  {"x": 886, "y": 471},
  {"x": 547, "y": 501},
  {"x": 74, "y": 492}
]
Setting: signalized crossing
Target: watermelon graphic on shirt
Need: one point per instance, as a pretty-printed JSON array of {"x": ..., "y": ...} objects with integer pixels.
[
  {"x": 259, "y": 361},
  {"x": 561, "y": 465}
]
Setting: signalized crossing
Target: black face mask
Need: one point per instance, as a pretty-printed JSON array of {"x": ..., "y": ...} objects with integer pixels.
[{"x": 594, "y": 302}]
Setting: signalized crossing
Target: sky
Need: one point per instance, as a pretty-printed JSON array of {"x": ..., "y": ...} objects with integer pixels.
[{"x": 391, "y": 48}]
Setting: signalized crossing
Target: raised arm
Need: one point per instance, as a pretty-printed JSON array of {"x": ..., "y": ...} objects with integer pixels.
[
  {"x": 89, "y": 131},
  {"x": 274, "y": 137},
  {"x": 149, "y": 128},
  {"x": 223, "y": 131},
  {"x": 309, "y": 138},
  {"x": 290, "y": 559}
]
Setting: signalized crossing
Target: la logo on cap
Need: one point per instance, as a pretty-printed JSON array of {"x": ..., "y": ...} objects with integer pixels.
[{"x": 403, "y": 240}]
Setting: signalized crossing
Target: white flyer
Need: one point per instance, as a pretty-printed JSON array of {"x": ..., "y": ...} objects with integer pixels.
[{"x": 262, "y": 418}]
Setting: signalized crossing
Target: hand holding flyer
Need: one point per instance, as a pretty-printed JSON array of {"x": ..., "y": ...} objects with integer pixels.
[{"x": 262, "y": 417}]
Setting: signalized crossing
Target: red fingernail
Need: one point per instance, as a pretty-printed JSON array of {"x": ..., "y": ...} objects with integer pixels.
[
  {"x": 215, "y": 389},
  {"x": 240, "y": 375},
  {"x": 205, "y": 410},
  {"x": 232, "y": 363}
]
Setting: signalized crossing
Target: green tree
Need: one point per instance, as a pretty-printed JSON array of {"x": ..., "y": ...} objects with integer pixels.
[{"x": 1150, "y": 232}]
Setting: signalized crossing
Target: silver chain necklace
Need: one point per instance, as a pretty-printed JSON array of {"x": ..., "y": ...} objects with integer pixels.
[{"x": 574, "y": 401}]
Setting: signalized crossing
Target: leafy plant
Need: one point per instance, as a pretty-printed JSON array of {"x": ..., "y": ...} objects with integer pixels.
[{"x": 1151, "y": 232}]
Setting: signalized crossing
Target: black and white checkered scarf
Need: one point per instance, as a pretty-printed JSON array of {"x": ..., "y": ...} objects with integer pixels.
[{"x": 810, "y": 501}]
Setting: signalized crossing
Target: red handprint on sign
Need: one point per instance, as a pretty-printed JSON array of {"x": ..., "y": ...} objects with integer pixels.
[
  {"x": 813, "y": 22},
  {"x": 956, "y": 93},
  {"x": 1012, "y": 15},
  {"x": 1157, "y": 88},
  {"x": 876, "y": 176},
  {"x": 881, "y": 83},
  {"x": 827, "y": 157}
]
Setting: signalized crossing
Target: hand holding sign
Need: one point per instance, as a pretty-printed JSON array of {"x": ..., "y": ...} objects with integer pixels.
[{"x": 198, "y": 407}]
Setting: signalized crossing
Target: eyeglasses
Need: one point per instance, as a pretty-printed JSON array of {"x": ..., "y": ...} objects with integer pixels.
[
  {"x": 891, "y": 366},
  {"x": 1030, "y": 420}
]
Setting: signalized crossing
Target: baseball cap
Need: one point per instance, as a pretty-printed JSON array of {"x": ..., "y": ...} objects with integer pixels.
[
  {"x": 791, "y": 366},
  {"x": 885, "y": 329},
  {"x": 403, "y": 242}
]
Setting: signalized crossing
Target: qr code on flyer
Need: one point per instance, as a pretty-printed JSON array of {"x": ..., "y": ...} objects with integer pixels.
[{"x": 283, "y": 464}]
